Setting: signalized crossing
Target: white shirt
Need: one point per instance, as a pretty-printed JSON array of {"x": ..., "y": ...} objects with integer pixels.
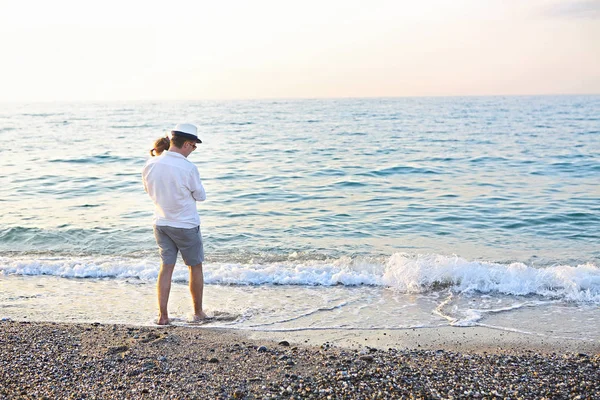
[{"x": 174, "y": 185}]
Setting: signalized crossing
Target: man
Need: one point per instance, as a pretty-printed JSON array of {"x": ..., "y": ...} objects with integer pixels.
[{"x": 174, "y": 185}]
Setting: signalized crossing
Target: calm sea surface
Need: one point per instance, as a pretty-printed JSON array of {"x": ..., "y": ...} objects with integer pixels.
[{"x": 319, "y": 214}]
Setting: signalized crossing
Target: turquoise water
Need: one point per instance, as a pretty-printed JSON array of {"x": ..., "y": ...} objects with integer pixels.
[
  {"x": 491, "y": 196},
  {"x": 499, "y": 178}
]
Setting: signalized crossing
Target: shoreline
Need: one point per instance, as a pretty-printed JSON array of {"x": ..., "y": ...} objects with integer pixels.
[
  {"x": 471, "y": 339},
  {"x": 58, "y": 360}
]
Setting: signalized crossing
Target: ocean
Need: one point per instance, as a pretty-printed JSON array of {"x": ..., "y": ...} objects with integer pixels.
[{"x": 321, "y": 214}]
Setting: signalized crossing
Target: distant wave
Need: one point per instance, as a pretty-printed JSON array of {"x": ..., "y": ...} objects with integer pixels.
[
  {"x": 41, "y": 114},
  {"x": 132, "y": 126},
  {"x": 402, "y": 272},
  {"x": 71, "y": 240},
  {"x": 98, "y": 159},
  {"x": 401, "y": 170}
]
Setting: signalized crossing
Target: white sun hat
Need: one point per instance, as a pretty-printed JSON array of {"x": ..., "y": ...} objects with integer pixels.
[{"x": 187, "y": 131}]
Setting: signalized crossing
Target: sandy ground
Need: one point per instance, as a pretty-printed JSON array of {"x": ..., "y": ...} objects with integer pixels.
[
  {"x": 460, "y": 339},
  {"x": 46, "y": 360}
]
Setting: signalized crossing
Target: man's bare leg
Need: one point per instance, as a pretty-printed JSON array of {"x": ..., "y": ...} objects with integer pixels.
[
  {"x": 164, "y": 288},
  {"x": 197, "y": 289}
]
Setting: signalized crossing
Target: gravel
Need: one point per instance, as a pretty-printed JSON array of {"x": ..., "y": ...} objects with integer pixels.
[{"x": 89, "y": 361}]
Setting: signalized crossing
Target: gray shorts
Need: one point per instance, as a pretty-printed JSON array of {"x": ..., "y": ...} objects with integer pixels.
[{"x": 188, "y": 241}]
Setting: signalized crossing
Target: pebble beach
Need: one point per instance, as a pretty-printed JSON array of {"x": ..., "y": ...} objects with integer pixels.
[{"x": 87, "y": 361}]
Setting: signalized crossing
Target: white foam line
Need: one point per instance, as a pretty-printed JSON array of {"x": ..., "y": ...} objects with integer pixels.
[
  {"x": 517, "y": 306},
  {"x": 341, "y": 328},
  {"x": 439, "y": 309},
  {"x": 297, "y": 317},
  {"x": 480, "y": 313}
]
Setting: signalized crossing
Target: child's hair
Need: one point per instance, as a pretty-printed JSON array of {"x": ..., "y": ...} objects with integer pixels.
[{"x": 160, "y": 145}]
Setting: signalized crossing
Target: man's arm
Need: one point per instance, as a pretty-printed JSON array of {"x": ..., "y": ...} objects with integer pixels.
[
  {"x": 144, "y": 180},
  {"x": 196, "y": 187}
]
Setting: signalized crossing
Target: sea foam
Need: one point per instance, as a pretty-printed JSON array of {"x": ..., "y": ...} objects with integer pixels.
[{"x": 402, "y": 272}]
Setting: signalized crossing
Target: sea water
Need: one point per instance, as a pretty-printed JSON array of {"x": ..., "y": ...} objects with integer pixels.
[{"x": 346, "y": 214}]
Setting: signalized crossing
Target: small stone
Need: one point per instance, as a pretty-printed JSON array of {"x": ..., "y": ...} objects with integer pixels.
[
  {"x": 117, "y": 349},
  {"x": 150, "y": 337},
  {"x": 261, "y": 349},
  {"x": 367, "y": 358},
  {"x": 135, "y": 372},
  {"x": 148, "y": 365},
  {"x": 213, "y": 360},
  {"x": 284, "y": 343}
]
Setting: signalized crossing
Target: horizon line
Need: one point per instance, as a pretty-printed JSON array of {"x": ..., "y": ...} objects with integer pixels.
[{"x": 291, "y": 98}]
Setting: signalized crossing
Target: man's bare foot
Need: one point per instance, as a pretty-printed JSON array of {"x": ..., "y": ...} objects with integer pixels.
[
  {"x": 200, "y": 317},
  {"x": 163, "y": 321}
]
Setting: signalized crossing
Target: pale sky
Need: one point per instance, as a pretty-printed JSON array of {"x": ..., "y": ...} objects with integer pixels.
[{"x": 63, "y": 50}]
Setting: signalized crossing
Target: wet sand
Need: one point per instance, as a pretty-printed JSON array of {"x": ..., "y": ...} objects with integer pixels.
[
  {"x": 47, "y": 360},
  {"x": 475, "y": 339}
]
